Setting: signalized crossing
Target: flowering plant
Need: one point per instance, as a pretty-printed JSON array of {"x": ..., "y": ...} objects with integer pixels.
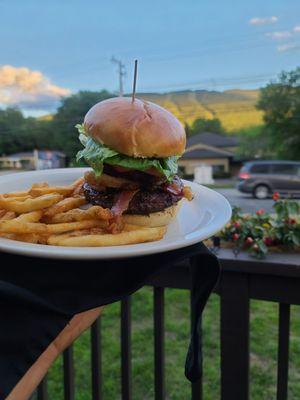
[{"x": 257, "y": 233}]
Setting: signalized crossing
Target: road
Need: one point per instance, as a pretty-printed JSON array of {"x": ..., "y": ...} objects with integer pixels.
[{"x": 246, "y": 202}]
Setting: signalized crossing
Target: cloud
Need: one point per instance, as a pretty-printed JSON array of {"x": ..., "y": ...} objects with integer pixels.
[
  {"x": 28, "y": 89},
  {"x": 263, "y": 21},
  {"x": 279, "y": 35},
  {"x": 287, "y": 47},
  {"x": 297, "y": 29}
]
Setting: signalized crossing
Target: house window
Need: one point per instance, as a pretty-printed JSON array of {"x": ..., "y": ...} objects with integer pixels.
[{"x": 218, "y": 168}]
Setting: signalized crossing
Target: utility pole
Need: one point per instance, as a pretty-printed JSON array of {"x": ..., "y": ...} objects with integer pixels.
[{"x": 122, "y": 73}]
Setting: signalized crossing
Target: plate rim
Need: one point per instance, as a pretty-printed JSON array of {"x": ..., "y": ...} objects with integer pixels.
[{"x": 125, "y": 251}]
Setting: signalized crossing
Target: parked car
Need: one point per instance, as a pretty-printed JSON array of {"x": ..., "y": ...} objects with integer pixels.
[{"x": 262, "y": 178}]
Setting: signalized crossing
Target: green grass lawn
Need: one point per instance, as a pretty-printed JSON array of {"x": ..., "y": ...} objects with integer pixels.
[{"x": 264, "y": 320}]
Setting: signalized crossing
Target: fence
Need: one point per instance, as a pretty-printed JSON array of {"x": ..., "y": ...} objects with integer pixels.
[{"x": 276, "y": 279}]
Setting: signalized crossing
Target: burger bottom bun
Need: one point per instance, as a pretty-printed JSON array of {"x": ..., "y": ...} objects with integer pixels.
[{"x": 161, "y": 218}]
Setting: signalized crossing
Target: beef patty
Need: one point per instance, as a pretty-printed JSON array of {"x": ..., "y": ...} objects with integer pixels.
[{"x": 144, "y": 202}]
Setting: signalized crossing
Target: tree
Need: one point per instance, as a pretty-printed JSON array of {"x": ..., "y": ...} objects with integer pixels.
[
  {"x": 206, "y": 125},
  {"x": 253, "y": 143},
  {"x": 280, "y": 102},
  {"x": 70, "y": 113},
  {"x": 12, "y": 128},
  {"x": 18, "y": 133}
]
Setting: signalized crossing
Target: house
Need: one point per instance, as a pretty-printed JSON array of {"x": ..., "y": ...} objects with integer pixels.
[
  {"x": 36, "y": 159},
  {"x": 209, "y": 148}
]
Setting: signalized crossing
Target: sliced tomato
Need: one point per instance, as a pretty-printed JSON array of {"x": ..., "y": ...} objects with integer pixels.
[
  {"x": 118, "y": 168},
  {"x": 154, "y": 171}
]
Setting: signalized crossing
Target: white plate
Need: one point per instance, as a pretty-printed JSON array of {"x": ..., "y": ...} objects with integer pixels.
[{"x": 197, "y": 220}]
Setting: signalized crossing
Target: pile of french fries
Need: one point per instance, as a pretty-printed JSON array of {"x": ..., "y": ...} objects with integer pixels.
[{"x": 51, "y": 215}]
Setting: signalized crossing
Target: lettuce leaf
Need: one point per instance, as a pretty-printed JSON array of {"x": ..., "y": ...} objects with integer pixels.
[{"x": 96, "y": 154}]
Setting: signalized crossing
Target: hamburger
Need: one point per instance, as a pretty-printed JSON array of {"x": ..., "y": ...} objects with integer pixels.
[{"x": 133, "y": 148}]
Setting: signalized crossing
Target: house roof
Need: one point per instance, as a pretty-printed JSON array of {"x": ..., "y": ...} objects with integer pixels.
[
  {"x": 20, "y": 154},
  {"x": 203, "y": 154},
  {"x": 212, "y": 139},
  {"x": 28, "y": 154}
]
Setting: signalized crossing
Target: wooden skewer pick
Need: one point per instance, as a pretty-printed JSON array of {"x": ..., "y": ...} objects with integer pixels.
[{"x": 134, "y": 80}]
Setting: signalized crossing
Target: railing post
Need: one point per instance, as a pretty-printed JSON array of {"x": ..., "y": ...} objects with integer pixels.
[
  {"x": 283, "y": 351},
  {"x": 42, "y": 393},
  {"x": 96, "y": 360},
  {"x": 196, "y": 386},
  {"x": 69, "y": 387},
  {"x": 234, "y": 336},
  {"x": 126, "y": 348},
  {"x": 159, "y": 343}
]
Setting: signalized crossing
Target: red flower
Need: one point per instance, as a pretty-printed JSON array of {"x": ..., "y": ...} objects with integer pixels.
[
  {"x": 237, "y": 224},
  {"x": 290, "y": 221},
  {"x": 249, "y": 240},
  {"x": 235, "y": 236},
  {"x": 276, "y": 196},
  {"x": 261, "y": 211},
  {"x": 255, "y": 247},
  {"x": 268, "y": 241}
]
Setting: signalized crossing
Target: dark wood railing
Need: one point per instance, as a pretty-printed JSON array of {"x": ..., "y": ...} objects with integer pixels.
[{"x": 275, "y": 279}]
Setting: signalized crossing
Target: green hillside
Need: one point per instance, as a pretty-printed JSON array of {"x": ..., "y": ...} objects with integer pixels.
[{"x": 235, "y": 108}]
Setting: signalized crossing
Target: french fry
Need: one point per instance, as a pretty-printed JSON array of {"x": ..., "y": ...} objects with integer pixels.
[
  {"x": 33, "y": 216},
  {"x": 40, "y": 191},
  {"x": 77, "y": 186},
  {"x": 72, "y": 226},
  {"x": 30, "y": 204},
  {"x": 10, "y": 236},
  {"x": 17, "y": 226},
  {"x": 123, "y": 238},
  {"x": 24, "y": 237},
  {"x": 20, "y": 198},
  {"x": 65, "y": 205},
  {"x": 42, "y": 239},
  {"x": 116, "y": 225},
  {"x": 94, "y": 212},
  {"x": 8, "y": 215},
  {"x": 43, "y": 188},
  {"x": 16, "y": 194},
  {"x": 20, "y": 227},
  {"x": 80, "y": 232},
  {"x": 28, "y": 237},
  {"x": 77, "y": 182},
  {"x": 2, "y": 213}
]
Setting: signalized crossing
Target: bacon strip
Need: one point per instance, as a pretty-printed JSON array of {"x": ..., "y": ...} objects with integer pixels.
[
  {"x": 122, "y": 203},
  {"x": 120, "y": 206}
]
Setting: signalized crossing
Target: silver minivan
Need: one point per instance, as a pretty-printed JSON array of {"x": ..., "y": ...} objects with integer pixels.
[{"x": 262, "y": 178}]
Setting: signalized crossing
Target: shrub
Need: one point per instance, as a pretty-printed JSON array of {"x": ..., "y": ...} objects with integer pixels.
[{"x": 257, "y": 233}]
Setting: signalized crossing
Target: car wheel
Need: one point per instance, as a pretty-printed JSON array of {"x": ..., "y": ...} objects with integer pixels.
[{"x": 261, "y": 192}]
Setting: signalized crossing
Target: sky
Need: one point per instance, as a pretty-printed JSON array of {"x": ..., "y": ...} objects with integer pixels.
[{"x": 49, "y": 49}]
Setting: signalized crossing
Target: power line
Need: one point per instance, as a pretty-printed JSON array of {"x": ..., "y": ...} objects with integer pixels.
[
  {"x": 205, "y": 48},
  {"x": 218, "y": 82}
]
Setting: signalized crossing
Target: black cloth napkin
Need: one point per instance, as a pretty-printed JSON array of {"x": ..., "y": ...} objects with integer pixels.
[{"x": 38, "y": 297}]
